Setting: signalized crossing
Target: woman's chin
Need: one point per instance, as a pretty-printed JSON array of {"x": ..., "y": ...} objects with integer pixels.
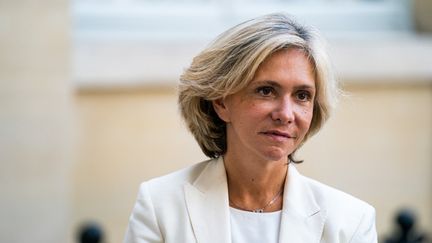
[{"x": 276, "y": 155}]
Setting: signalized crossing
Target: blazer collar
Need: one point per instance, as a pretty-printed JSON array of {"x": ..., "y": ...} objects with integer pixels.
[
  {"x": 208, "y": 207},
  {"x": 207, "y": 203},
  {"x": 302, "y": 218}
]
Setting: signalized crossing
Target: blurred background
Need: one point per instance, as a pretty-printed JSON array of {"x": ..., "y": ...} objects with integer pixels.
[{"x": 88, "y": 105}]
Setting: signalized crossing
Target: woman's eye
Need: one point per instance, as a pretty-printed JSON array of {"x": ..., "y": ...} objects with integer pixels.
[
  {"x": 304, "y": 96},
  {"x": 265, "y": 91}
]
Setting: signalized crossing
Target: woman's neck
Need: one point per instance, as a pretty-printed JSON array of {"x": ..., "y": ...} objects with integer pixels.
[{"x": 253, "y": 183}]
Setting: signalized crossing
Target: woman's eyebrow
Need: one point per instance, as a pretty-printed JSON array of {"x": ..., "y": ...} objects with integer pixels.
[
  {"x": 267, "y": 82},
  {"x": 277, "y": 85},
  {"x": 305, "y": 86}
]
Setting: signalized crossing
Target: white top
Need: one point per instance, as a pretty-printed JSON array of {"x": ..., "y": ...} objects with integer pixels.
[{"x": 249, "y": 227}]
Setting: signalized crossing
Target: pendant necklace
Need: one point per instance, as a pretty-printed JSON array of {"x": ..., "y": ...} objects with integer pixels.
[{"x": 259, "y": 210}]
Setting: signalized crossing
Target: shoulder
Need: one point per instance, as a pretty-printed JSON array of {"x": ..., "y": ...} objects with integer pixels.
[
  {"x": 334, "y": 199},
  {"x": 172, "y": 183},
  {"x": 160, "y": 200},
  {"x": 347, "y": 216}
]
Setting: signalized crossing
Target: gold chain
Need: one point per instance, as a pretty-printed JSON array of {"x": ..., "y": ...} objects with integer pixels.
[{"x": 259, "y": 210}]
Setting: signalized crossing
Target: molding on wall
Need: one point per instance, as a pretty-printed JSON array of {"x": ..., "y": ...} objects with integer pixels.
[{"x": 401, "y": 60}]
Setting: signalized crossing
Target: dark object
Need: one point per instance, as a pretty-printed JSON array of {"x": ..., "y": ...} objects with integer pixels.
[
  {"x": 90, "y": 233},
  {"x": 405, "y": 229}
]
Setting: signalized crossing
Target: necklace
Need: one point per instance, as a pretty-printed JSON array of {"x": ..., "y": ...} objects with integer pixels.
[{"x": 259, "y": 210}]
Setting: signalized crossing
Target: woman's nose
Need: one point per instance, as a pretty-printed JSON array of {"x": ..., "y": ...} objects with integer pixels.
[{"x": 284, "y": 111}]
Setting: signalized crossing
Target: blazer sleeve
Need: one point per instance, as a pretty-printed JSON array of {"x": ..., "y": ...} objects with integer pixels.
[
  {"x": 366, "y": 230},
  {"x": 143, "y": 226}
]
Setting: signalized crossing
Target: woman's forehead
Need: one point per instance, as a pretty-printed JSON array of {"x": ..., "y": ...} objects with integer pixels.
[{"x": 289, "y": 64}]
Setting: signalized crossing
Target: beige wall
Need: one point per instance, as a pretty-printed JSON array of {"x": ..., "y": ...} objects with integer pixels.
[
  {"x": 377, "y": 147},
  {"x": 35, "y": 129},
  {"x": 125, "y": 138}
]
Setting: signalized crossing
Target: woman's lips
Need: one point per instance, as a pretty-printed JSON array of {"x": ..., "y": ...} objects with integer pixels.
[{"x": 278, "y": 135}]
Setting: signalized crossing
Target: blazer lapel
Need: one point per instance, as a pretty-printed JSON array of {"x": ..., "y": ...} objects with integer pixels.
[
  {"x": 302, "y": 218},
  {"x": 207, "y": 203}
]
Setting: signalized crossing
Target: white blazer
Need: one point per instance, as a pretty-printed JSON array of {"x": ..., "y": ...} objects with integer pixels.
[{"x": 191, "y": 205}]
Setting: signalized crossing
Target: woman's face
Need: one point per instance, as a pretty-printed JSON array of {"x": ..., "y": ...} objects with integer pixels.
[{"x": 271, "y": 116}]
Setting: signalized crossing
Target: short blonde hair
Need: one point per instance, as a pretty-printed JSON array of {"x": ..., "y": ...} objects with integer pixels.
[{"x": 229, "y": 63}]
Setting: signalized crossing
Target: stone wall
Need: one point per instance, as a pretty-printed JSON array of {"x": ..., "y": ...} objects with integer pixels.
[{"x": 36, "y": 111}]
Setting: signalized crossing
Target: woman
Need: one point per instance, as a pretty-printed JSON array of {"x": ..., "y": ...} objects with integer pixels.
[{"x": 251, "y": 99}]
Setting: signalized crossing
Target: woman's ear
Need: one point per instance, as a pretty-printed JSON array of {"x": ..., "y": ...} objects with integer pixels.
[{"x": 221, "y": 109}]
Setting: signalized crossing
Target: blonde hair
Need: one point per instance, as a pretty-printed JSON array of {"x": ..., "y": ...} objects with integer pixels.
[{"x": 229, "y": 63}]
